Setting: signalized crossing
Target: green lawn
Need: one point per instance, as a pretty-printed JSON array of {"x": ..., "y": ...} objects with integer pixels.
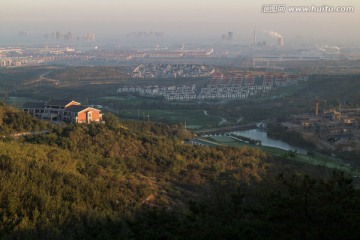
[
  {"x": 125, "y": 100},
  {"x": 194, "y": 118},
  {"x": 17, "y": 101},
  {"x": 225, "y": 140}
]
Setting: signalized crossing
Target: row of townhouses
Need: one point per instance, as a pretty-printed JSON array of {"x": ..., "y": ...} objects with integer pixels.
[
  {"x": 21, "y": 61},
  {"x": 171, "y": 71},
  {"x": 230, "y": 86},
  {"x": 242, "y": 85},
  {"x": 169, "y": 92}
]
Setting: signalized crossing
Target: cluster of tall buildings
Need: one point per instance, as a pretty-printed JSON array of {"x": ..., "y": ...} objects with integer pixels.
[
  {"x": 22, "y": 34},
  {"x": 145, "y": 34},
  {"x": 59, "y": 36},
  {"x": 227, "y": 36},
  {"x": 89, "y": 36}
]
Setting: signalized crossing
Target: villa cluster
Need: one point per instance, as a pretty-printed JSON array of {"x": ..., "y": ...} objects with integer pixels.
[
  {"x": 171, "y": 71},
  {"x": 237, "y": 85},
  {"x": 169, "y": 92},
  {"x": 244, "y": 84}
]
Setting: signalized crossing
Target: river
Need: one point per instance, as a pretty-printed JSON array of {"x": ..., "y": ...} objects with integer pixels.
[{"x": 258, "y": 134}]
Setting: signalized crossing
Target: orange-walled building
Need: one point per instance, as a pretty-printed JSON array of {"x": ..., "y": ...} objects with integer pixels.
[
  {"x": 62, "y": 110},
  {"x": 82, "y": 114}
]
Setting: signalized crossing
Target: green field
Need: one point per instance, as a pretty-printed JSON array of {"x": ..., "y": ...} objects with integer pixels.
[
  {"x": 194, "y": 119},
  {"x": 225, "y": 140},
  {"x": 17, "y": 101},
  {"x": 156, "y": 110},
  {"x": 126, "y": 100}
]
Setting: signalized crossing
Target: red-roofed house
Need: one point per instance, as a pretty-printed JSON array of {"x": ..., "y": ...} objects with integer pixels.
[{"x": 62, "y": 110}]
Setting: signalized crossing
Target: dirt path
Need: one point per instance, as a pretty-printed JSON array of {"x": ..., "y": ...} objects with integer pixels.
[{"x": 43, "y": 78}]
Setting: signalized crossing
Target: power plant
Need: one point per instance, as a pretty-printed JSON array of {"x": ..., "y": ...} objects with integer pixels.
[
  {"x": 281, "y": 41},
  {"x": 273, "y": 34},
  {"x": 277, "y": 35}
]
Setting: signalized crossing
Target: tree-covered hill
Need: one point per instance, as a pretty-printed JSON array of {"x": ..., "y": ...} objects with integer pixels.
[
  {"x": 14, "y": 121},
  {"x": 139, "y": 181}
]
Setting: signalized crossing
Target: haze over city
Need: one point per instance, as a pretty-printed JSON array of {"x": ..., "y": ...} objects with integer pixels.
[
  {"x": 179, "y": 119},
  {"x": 177, "y": 18}
]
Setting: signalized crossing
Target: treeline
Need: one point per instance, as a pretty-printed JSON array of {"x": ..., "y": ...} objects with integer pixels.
[
  {"x": 15, "y": 121},
  {"x": 298, "y": 208},
  {"x": 277, "y": 131},
  {"x": 14, "y": 78},
  {"x": 73, "y": 74},
  {"x": 139, "y": 181}
]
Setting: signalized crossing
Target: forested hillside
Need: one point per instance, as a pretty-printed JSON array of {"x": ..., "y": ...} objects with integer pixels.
[
  {"x": 128, "y": 180},
  {"x": 13, "y": 121}
]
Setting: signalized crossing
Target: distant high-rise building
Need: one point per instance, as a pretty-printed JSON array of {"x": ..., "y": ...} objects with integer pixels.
[
  {"x": 57, "y": 36},
  {"x": 230, "y": 36},
  {"x": 89, "y": 36},
  {"x": 254, "y": 37},
  {"x": 68, "y": 36},
  {"x": 22, "y": 34},
  {"x": 227, "y": 36},
  {"x": 159, "y": 34}
]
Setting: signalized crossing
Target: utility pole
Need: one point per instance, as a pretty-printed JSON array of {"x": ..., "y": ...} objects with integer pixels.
[
  {"x": 340, "y": 111},
  {"x": 317, "y": 105}
]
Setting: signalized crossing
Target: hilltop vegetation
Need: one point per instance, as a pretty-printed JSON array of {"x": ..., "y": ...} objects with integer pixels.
[
  {"x": 14, "y": 121},
  {"x": 133, "y": 180}
]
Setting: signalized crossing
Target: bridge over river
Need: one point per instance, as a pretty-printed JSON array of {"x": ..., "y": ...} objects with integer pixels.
[{"x": 211, "y": 131}]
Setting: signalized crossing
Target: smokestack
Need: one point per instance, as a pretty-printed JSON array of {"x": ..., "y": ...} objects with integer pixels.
[
  {"x": 254, "y": 37},
  {"x": 276, "y": 35},
  {"x": 281, "y": 42}
]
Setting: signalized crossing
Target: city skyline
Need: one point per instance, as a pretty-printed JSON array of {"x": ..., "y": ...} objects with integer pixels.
[{"x": 187, "y": 18}]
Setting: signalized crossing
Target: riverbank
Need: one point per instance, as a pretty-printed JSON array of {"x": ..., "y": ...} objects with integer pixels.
[
  {"x": 262, "y": 137},
  {"x": 311, "y": 158}
]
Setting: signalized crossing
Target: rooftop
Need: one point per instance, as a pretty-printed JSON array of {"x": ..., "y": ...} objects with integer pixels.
[
  {"x": 76, "y": 108},
  {"x": 33, "y": 105},
  {"x": 59, "y": 102}
]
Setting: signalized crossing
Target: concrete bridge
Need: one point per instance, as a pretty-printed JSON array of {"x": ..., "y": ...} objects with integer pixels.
[{"x": 226, "y": 129}]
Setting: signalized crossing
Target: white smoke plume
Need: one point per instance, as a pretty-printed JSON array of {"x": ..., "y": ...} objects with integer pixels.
[
  {"x": 277, "y": 35},
  {"x": 274, "y": 34}
]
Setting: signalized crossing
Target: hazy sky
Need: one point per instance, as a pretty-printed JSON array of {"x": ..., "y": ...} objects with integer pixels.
[{"x": 177, "y": 17}]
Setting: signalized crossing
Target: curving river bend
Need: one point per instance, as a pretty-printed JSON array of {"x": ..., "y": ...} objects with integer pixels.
[{"x": 258, "y": 134}]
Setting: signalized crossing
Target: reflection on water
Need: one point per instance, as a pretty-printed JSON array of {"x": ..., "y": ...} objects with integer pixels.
[{"x": 258, "y": 134}]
